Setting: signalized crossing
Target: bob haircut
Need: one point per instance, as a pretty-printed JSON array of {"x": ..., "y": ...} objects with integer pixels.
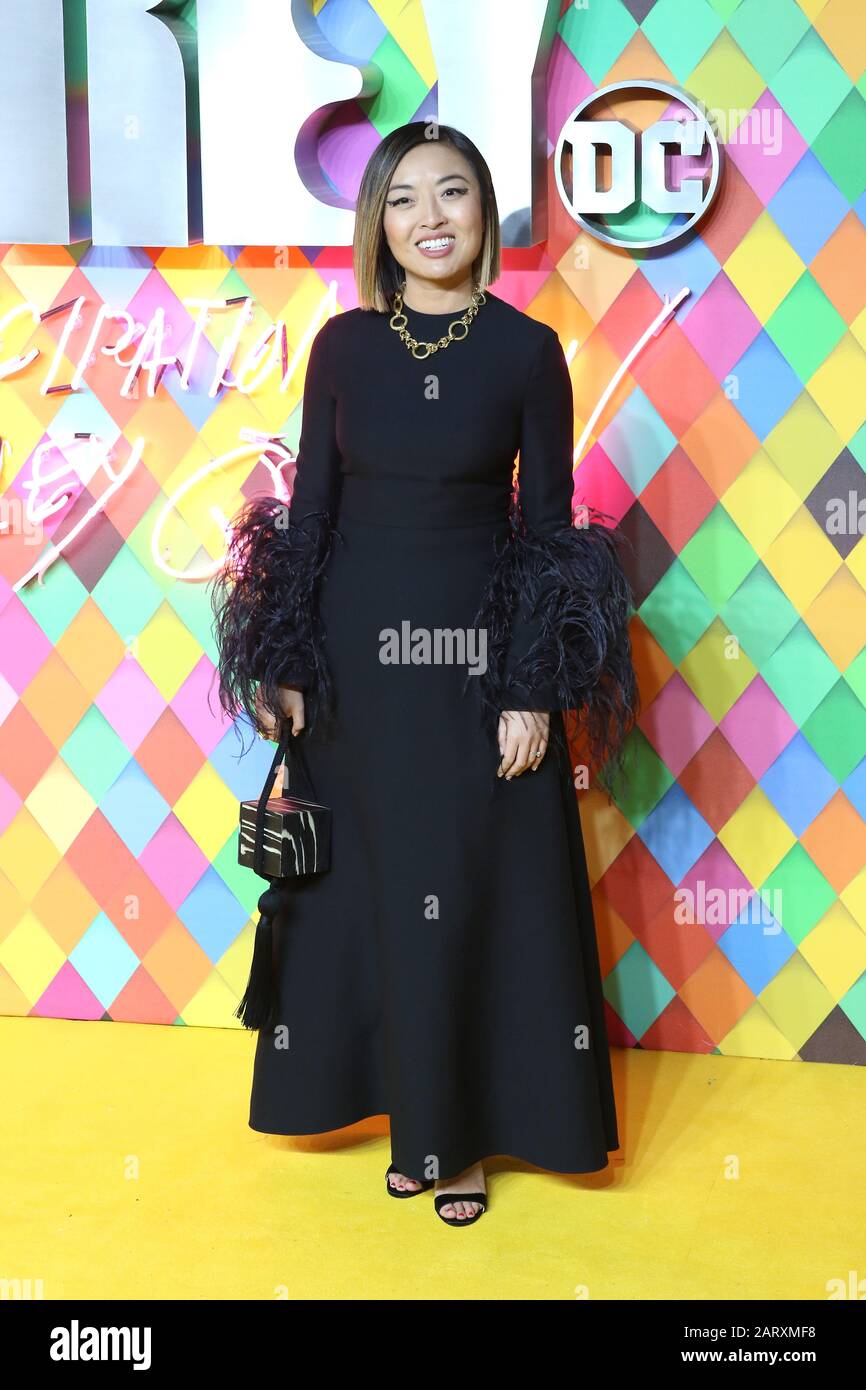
[{"x": 378, "y": 275}]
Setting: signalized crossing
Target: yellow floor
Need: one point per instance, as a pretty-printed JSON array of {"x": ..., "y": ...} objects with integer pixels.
[{"x": 129, "y": 1171}]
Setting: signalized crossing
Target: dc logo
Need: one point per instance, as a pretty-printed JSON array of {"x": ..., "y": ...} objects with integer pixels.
[{"x": 661, "y": 176}]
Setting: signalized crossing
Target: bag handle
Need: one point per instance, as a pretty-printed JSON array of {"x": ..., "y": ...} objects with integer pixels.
[
  {"x": 281, "y": 755},
  {"x": 298, "y": 753}
]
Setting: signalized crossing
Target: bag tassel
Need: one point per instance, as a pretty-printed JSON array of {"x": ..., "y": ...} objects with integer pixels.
[{"x": 259, "y": 1007}]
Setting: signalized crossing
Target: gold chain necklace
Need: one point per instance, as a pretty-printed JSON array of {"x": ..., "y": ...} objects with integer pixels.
[{"x": 399, "y": 324}]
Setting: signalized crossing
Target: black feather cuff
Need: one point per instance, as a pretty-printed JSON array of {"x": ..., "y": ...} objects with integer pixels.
[
  {"x": 556, "y": 609},
  {"x": 265, "y": 602}
]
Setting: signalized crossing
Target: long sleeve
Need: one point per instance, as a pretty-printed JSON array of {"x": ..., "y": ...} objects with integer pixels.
[
  {"x": 265, "y": 598},
  {"x": 316, "y": 490},
  {"x": 558, "y": 602},
  {"x": 317, "y": 468},
  {"x": 546, "y": 484}
]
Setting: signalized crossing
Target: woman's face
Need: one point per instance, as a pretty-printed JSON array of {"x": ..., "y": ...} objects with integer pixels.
[{"x": 434, "y": 197}]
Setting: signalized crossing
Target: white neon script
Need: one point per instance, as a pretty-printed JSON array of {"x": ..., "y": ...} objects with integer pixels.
[
  {"x": 151, "y": 355},
  {"x": 44, "y": 500}
]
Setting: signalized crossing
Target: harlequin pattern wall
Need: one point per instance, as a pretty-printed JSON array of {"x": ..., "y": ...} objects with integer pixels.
[{"x": 732, "y": 454}]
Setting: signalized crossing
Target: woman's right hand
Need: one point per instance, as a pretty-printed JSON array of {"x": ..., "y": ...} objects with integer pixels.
[{"x": 292, "y": 706}]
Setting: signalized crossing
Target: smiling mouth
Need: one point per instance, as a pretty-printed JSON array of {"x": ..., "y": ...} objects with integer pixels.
[{"x": 434, "y": 243}]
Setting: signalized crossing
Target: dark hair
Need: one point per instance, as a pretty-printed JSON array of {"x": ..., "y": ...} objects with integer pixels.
[{"x": 377, "y": 274}]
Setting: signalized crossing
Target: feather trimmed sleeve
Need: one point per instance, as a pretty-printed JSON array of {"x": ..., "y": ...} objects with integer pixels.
[
  {"x": 265, "y": 598},
  {"x": 558, "y": 602}
]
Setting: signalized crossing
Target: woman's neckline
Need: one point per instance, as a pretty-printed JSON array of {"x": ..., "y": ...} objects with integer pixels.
[{"x": 448, "y": 314}]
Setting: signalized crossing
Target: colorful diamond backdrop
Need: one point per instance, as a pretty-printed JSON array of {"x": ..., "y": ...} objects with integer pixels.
[{"x": 120, "y": 896}]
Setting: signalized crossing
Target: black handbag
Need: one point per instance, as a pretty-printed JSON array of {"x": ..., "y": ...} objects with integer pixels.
[
  {"x": 281, "y": 839},
  {"x": 285, "y": 836}
]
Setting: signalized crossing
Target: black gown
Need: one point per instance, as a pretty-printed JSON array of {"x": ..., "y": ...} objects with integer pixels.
[{"x": 445, "y": 970}]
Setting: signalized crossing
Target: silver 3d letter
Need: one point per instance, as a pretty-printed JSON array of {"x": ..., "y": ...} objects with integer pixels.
[{"x": 172, "y": 122}]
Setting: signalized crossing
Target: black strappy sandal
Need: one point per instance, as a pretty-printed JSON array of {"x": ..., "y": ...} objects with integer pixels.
[
  {"x": 443, "y": 1199},
  {"x": 426, "y": 1184}
]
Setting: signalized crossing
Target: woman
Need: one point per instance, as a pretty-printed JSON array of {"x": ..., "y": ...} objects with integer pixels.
[{"x": 445, "y": 970}]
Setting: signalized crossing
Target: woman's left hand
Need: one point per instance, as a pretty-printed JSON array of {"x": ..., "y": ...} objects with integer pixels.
[{"x": 523, "y": 738}]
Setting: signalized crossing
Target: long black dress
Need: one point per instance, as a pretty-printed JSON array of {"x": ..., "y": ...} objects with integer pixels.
[{"x": 445, "y": 970}]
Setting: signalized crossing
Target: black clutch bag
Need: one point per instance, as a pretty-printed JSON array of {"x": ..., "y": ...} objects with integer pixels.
[
  {"x": 281, "y": 838},
  {"x": 285, "y": 836}
]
